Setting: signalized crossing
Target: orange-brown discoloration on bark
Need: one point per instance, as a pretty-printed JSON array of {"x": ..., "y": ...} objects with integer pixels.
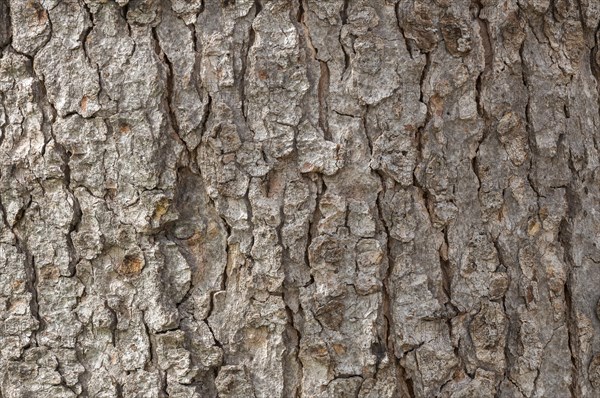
[
  {"x": 124, "y": 128},
  {"x": 83, "y": 103},
  {"x": 130, "y": 266}
]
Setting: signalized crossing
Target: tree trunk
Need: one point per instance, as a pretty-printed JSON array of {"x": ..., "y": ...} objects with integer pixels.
[{"x": 299, "y": 198}]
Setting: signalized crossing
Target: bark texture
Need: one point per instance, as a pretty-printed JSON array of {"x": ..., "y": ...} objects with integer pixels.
[{"x": 299, "y": 198}]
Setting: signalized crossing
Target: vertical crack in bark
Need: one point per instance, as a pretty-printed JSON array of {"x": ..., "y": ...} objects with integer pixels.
[
  {"x": 76, "y": 219},
  {"x": 313, "y": 223},
  {"x": 295, "y": 350},
  {"x": 539, "y": 372},
  {"x": 446, "y": 272},
  {"x": 29, "y": 265},
  {"x": 119, "y": 390},
  {"x": 407, "y": 43},
  {"x": 528, "y": 127},
  {"x": 2, "y": 131},
  {"x": 323, "y": 83},
  {"x": 86, "y": 32},
  {"x": 124, "y": 12},
  {"x": 169, "y": 94},
  {"x": 66, "y": 169},
  {"x": 403, "y": 383},
  {"x": 421, "y": 129},
  {"x": 506, "y": 353},
  {"x": 594, "y": 66},
  {"x": 246, "y": 62},
  {"x": 153, "y": 360},
  {"x": 344, "y": 20},
  {"x": 33, "y": 285},
  {"x": 8, "y": 29},
  {"x": 323, "y": 91},
  {"x": 344, "y": 12},
  {"x": 223, "y": 286},
  {"x": 565, "y": 239},
  {"x": 565, "y": 236},
  {"x": 450, "y": 309},
  {"x": 206, "y": 116},
  {"x": 488, "y": 57},
  {"x": 506, "y": 348},
  {"x": 192, "y": 28},
  {"x": 487, "y": 69},
  {"x": 83, "y": 39}
]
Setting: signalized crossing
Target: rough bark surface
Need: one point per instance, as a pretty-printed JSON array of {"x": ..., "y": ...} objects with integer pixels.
[{"x": 299, "y": 198}]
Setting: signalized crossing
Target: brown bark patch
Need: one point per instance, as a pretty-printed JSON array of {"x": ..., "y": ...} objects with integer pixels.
[{"x": 130, "y": 266}]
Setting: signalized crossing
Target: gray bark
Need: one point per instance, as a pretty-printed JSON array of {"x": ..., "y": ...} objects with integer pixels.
[{"x": 299, "y": 198}]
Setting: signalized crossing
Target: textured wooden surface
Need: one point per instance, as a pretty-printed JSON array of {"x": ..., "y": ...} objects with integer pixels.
[{"x": 314, "y": 198}]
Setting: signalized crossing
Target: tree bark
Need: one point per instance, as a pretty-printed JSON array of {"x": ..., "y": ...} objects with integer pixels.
[{"x": 299, "y": 198}]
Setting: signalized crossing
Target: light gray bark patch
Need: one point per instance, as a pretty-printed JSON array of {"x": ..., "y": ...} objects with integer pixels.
[{"x": 342, "y": 198}]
